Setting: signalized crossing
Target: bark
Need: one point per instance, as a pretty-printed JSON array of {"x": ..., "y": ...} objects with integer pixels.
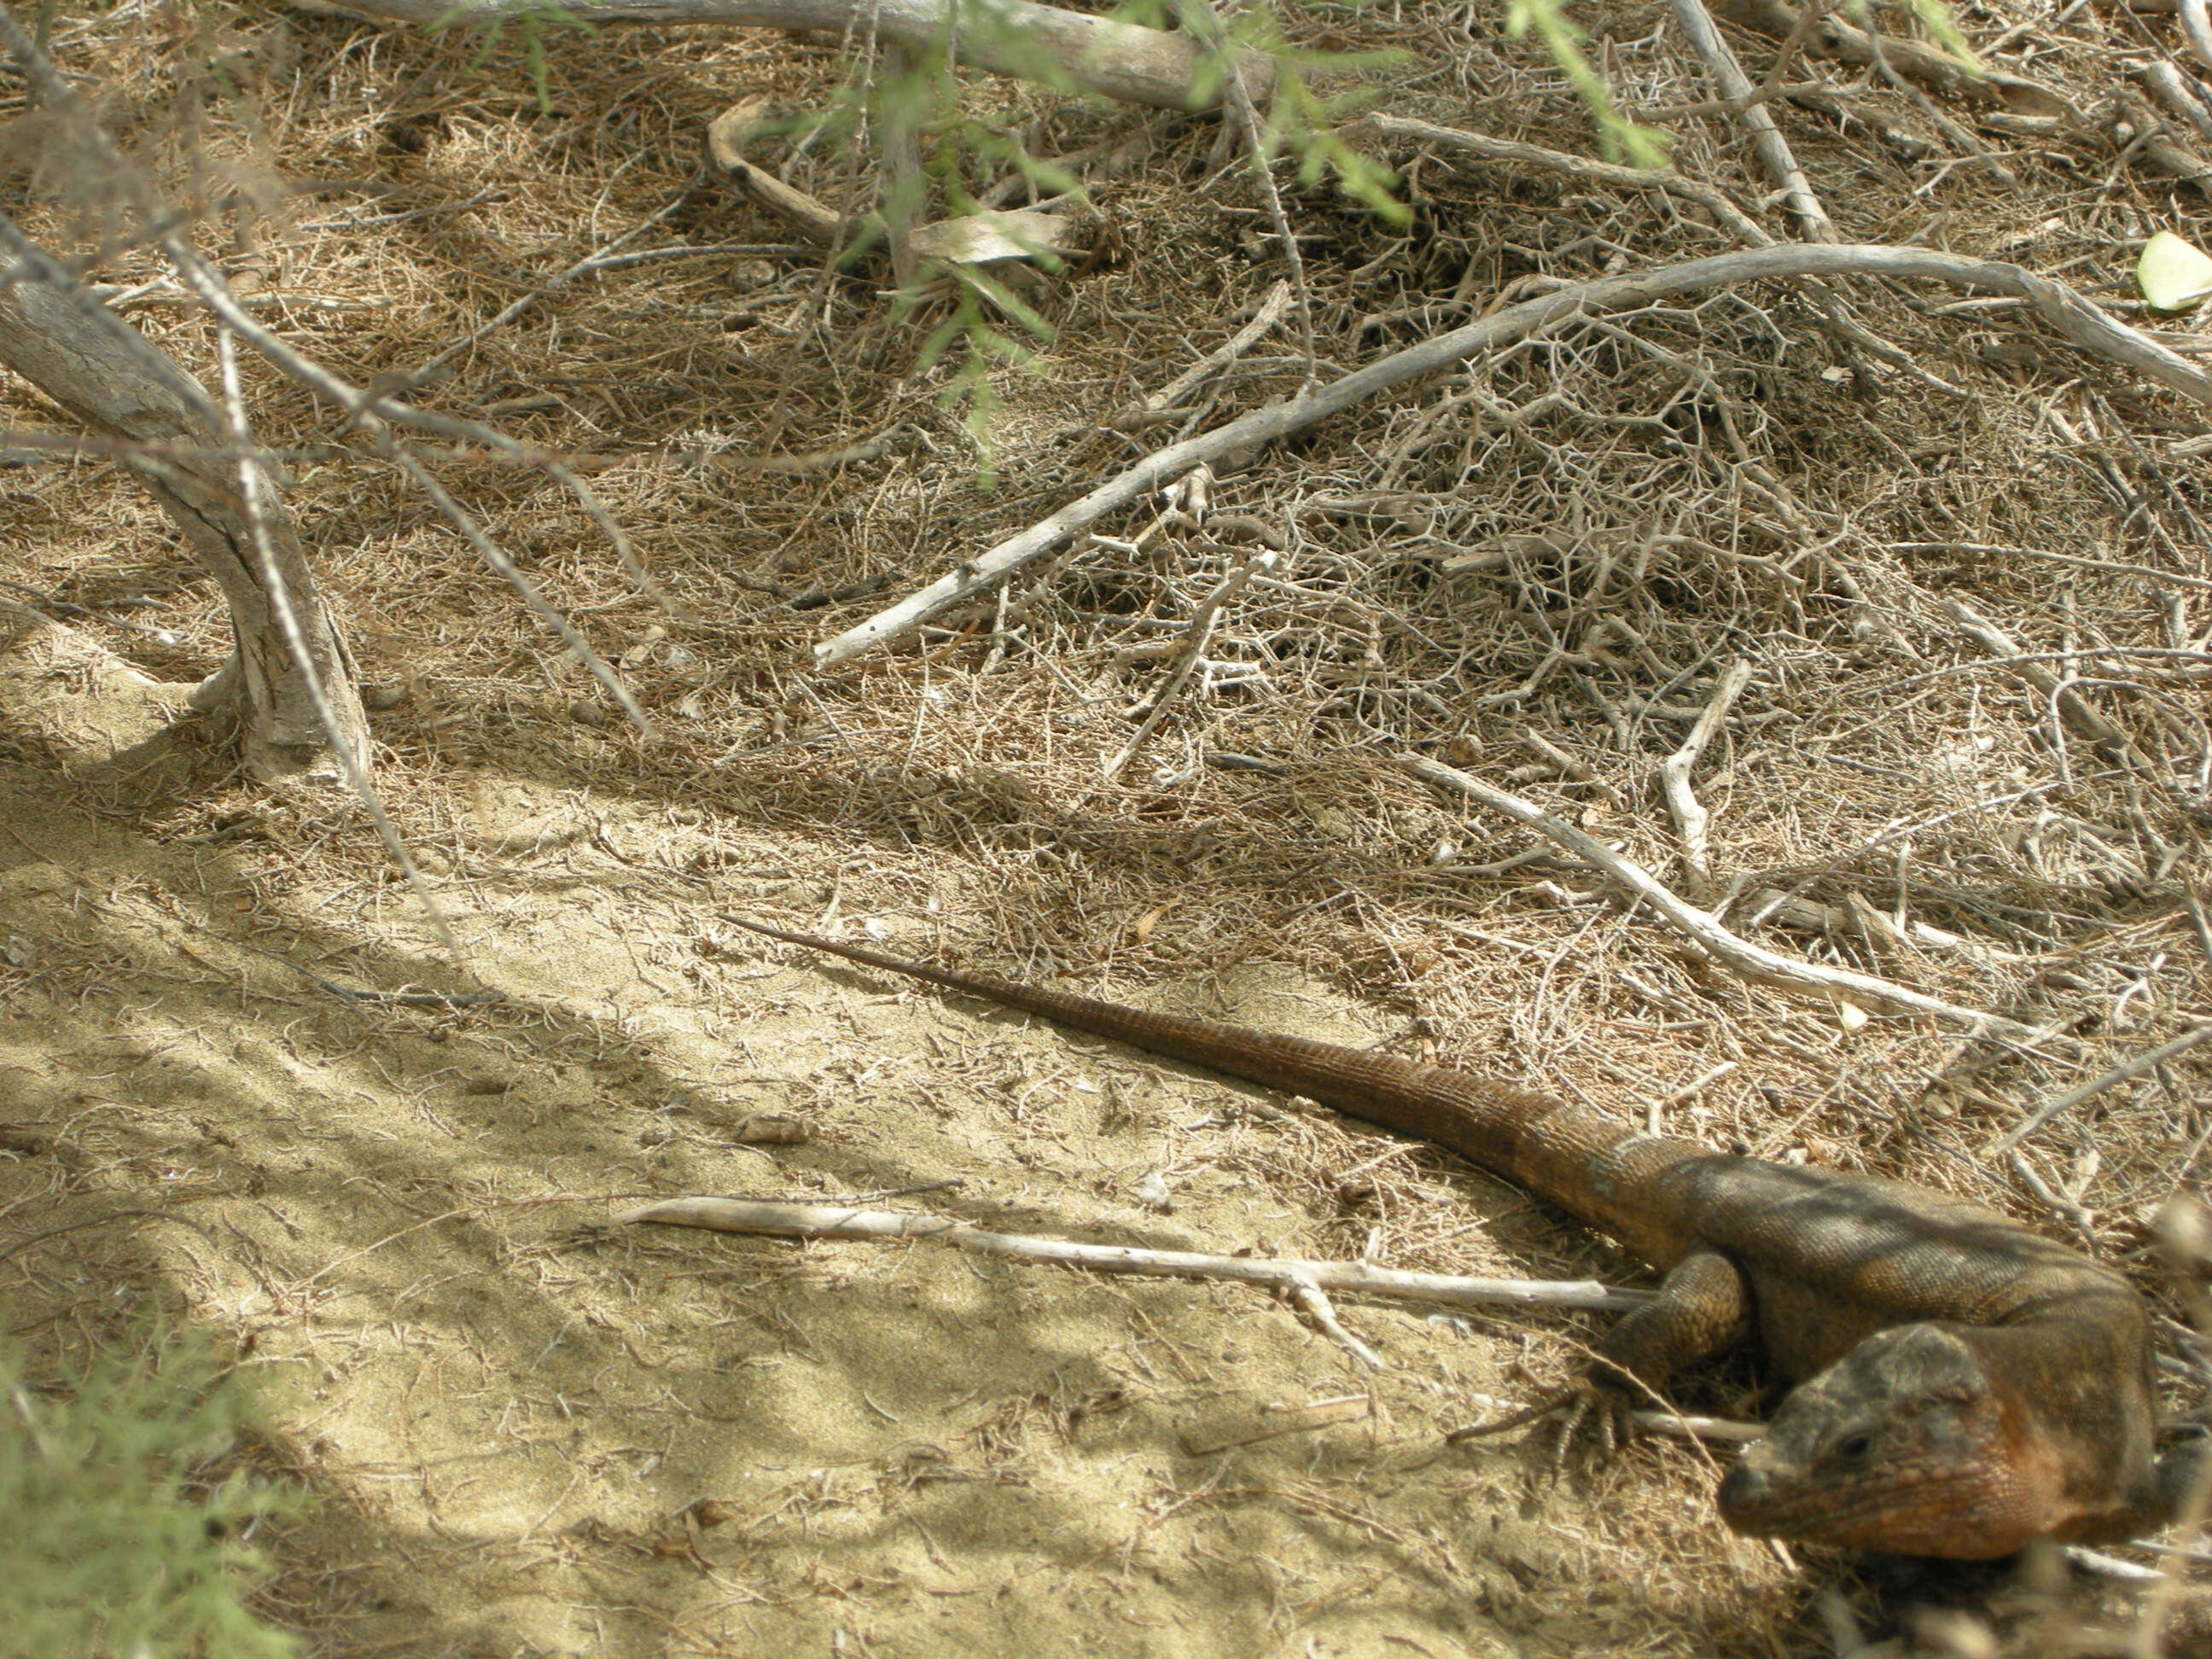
[{"x": 105, "y": 373}]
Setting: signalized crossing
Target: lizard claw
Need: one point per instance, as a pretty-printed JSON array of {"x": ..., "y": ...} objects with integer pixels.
[{"x": 1599, "y": 1424}]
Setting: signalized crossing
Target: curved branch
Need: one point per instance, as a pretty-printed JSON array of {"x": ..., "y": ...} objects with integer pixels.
[{"x": 2061, "y": 307}]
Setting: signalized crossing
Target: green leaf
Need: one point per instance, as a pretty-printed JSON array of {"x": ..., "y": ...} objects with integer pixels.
[{"x": 2174, "y": 274}]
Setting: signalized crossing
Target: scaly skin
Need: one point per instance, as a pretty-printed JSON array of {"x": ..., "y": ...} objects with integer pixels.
[{"x": 1964, "y": 1387}]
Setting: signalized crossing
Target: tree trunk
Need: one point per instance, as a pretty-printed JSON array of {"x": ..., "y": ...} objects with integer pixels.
[{"x": 102, "y": 370}]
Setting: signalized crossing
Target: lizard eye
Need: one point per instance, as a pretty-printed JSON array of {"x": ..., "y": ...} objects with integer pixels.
[{"x": 1853, "y": 1449}]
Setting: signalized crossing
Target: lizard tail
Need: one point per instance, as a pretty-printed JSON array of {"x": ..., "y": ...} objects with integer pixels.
[{"x": 1584, "y": 1162}]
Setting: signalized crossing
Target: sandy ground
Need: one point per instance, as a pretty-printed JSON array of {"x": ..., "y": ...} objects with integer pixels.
[{"x": 527, "y": 1438}]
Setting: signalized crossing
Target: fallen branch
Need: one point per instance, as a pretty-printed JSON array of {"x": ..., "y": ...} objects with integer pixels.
[
  {"x": 1740, "y": 956},
  {"x": 824, "y": 1221},
  {"x": 1831, "y": 37},
  {"x": 2197, "y": 24},
  {"x": 2120, "y": 1073},
  {"x": 1011, "y": 37},
  {"x": 2065, "y": 310},
  {"x": 2171, "y": 87},
  {"x": 1605, "y": 175},
  {"x": 1766, "y": 140}
]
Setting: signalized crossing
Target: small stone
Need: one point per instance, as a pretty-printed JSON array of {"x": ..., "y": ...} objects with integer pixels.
[
  {"x": 381, "y": 697},
  {"x": 585, "y": 712}
]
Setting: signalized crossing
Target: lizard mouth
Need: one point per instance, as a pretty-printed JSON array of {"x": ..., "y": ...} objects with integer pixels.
[{"x": 1955, "y": 1519}]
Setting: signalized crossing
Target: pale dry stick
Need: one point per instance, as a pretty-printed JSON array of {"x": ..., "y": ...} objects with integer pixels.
[
  {"x": 1195, "y": 641},
  {"x": 1781, "y": 163},
  {"x": 1606, "y": 174},
  {"x": 1008, "y": 37},
  {"x": 2061, "y": 307},
  {"x": 253, "y": 481},
  {"x": 2120, "y": 1073},
  {"x": 1270, "y": 312},
  {"x": 2114, "y": 1567},
  {"x": 1691, "y": 818},
  {"x": 1928, "y": 64},
  {"x": 1200, "y": 21},
  {"x": 2197, "y": 25},
  {"x": 2167, "y": 83},
  {"x": 1754, "y": 963},
  {"x": 162, "y": 291},
  {"x": 1806, "y": 915},
  {"x": 1655, "y": 1110},
  {"x": 1314, "y": 1303},
  {"x": 2077, "y": 711},
  {"x": 1766, "y": 139},
  {"x": 824, "y": 1221}
]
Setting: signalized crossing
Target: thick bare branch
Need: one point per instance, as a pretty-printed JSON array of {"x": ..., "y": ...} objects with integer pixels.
[
  {"x": 1011, "y": 37},
  {"x": 108, "y": 375}
]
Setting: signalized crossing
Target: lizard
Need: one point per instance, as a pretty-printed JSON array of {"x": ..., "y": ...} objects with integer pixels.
[{"x": 1961, "y": 1387}]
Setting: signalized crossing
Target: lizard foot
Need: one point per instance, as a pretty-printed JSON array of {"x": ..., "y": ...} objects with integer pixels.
[{"x": 1595, "y": 1422}]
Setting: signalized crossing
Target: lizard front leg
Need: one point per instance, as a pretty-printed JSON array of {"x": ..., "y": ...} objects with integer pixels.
[{"x": 1703, "y": 1308}]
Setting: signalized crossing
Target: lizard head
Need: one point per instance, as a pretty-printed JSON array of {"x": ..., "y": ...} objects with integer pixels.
[{"x": 1904, "y": 1445}]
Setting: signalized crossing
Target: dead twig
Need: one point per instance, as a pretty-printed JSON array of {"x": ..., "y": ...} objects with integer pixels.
[
  {"x": 1691, "y": 819},
  {"x": 1270, "y": 312},
  {"x": 2089, "y": 1091},
  {"x": 1192, "y": 653},
  {"x": 1009, "y": 37},
  {"x": 1605, "y": 175},
  {"x": 1766, "y": 140},
  {"x": 2197, "y": 25},
  {"x": 1739, "y": 955}
]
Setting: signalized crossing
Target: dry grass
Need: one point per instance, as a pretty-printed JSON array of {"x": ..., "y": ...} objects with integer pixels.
[{"x": 1537, "y": 569}]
